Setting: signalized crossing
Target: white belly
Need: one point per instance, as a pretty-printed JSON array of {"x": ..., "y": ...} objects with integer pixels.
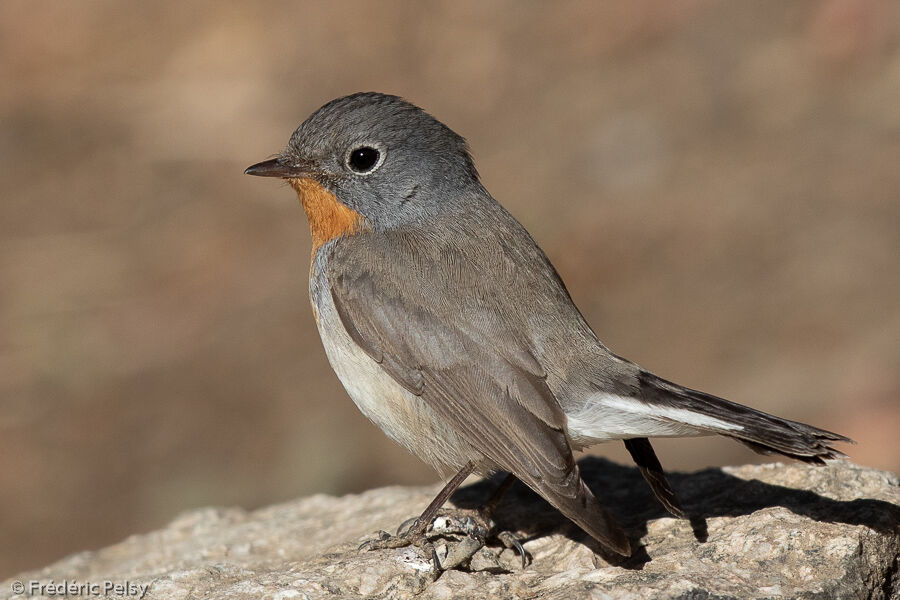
[{"x": 402, "y": 415}]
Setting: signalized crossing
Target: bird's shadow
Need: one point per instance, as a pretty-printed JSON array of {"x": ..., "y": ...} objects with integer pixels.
[{"x": 705, "y": 494}]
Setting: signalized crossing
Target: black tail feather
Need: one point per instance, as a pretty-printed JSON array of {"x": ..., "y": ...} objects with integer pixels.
[{"x": 762, "y": 432}]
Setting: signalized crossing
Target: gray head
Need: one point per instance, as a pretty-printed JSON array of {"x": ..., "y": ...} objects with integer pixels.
[{"x": 381, "y": 156}]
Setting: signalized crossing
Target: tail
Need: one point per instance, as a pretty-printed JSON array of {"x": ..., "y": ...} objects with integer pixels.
[
  {"x": 581, "y": 506},
  {"x": 762, "y": 432},
  {"x": 573, "y": 498}
]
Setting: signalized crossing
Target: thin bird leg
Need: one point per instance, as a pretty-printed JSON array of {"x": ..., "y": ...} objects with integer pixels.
[
  {"x": 487, "y": 509},
  {"x": 645, "y": 459},
  {"x": 487, "y": 512},
  {"x": 416, "y": 533},
  {"x": 432, "y": 509}
]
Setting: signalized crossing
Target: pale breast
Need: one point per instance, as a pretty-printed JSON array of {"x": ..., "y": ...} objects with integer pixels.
[{"x": 402, "y": 415}]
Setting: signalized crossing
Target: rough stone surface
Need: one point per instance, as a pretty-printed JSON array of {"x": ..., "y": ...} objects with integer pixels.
[{"x": 768, "y": 531}]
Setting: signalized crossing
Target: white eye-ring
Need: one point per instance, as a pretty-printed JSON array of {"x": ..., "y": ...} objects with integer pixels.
[{"x": 365, "y": 158}]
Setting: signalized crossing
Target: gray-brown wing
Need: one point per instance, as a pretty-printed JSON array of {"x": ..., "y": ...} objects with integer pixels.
[{"x": 490, "y": 390}]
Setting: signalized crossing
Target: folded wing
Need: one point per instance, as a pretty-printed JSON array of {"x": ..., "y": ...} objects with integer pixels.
[{"x": 479, "y": 377}]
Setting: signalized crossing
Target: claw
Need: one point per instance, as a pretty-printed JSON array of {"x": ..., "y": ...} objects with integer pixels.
[
  {"x": 435, "y": 560},
  {"x": 386, "y": 541},
  {"x": 510, "y": 541},
  {"x": 367, "y": 545},
  {"x": 407, "y": 525}
]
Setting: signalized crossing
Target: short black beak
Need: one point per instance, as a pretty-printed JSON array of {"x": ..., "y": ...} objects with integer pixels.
[{"x": 274, "y": 167}]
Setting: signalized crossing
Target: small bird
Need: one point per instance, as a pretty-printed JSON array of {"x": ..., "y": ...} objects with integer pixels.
[{"x": 451, "y": 331}]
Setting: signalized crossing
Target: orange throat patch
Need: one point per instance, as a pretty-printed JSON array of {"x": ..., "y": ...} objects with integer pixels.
[{"x": 328, "y": 217}]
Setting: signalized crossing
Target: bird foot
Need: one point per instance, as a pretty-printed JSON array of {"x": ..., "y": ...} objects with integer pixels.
[
  {"x": 473, "y": 528},
  {"x": 478, "y": 524}
]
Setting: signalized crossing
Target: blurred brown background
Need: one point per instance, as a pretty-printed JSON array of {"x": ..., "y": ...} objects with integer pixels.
[{"x": 718, "y": 183}]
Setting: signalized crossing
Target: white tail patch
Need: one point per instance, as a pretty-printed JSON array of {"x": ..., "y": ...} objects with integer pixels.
[{"x": 612, "y": 417}]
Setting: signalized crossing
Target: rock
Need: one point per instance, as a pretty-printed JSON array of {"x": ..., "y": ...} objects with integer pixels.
[{"x": 766, "y": 531}]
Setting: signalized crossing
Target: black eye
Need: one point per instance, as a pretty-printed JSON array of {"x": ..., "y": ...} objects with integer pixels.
[{"x": 363, "y": 159}]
